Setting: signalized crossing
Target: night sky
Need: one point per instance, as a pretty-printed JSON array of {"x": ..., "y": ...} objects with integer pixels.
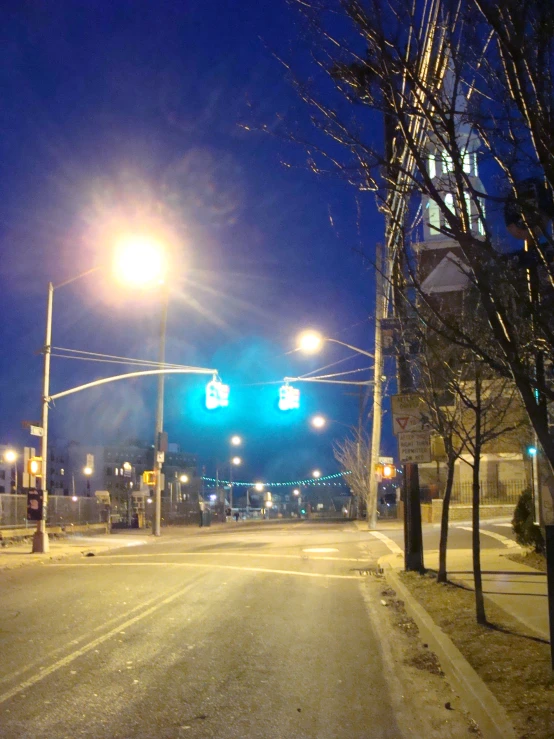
[{"x": 135, "y": 112}]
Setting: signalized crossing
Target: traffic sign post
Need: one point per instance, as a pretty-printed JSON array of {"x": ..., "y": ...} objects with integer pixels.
[
  {"x": 408, "y": 414},
  {"x": 414, "y": 447}
]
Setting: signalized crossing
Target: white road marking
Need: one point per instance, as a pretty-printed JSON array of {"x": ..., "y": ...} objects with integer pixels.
[
  {"x": 91, "y": 645},
  {"x": 321, "y": 550},
  {"x": 510, "y": 543},
  {"x": 503, "y": 525},
  {"x": 235, "y": 553},
  {"x": 211, "y": 567},
  {"x": 392, "y": 545}
]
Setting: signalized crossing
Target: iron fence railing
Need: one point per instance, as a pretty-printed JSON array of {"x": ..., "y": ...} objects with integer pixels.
[
  {"x": 62, "y": 510},
  {"x": 490, "y": 492}
]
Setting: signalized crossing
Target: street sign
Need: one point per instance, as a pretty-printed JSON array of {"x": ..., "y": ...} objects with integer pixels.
[
  {"x": 36, "y": 430},
  {"x": 414, "y": 446},
  {"x": 386, "y": 460},
  {"x": 408, "y": 414},
  {"x": 160, "y": 457}
]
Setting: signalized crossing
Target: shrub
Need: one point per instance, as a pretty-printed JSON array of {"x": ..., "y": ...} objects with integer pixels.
[{"x": 528, "y": 534}]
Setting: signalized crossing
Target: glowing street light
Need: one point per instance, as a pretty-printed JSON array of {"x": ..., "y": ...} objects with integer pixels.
[
  {"x": 318, "y": 422},
  {"x": 296, "y": 492},
  {"x": 236, "y": 460},
  {"x": 236, "y": 440},
  {"x": 10, "y": 456},
  {"x": 183, "y": 478},
  {"x": 87, "y": 471},
  {"x": 259, "y": 486},
  {"x": 316, "y": 473},
  {"x": 310, "y": 342},
  {"x": 139, "y": 260}
]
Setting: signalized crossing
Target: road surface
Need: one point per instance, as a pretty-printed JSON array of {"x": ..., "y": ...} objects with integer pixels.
[{"x": 270, "y": 630}]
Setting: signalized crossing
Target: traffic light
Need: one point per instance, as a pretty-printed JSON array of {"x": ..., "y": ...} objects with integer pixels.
[
  {"x": 217, "y": 394},
  {"x": 34, "y": 466},
  {"x": 149, "y": 478},
  {"x": 388, "y": 471},
  {"x": 289, "y": 397}
]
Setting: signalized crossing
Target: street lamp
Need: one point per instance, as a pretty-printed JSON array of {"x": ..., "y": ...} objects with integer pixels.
[
  {"x": 318, "y": 422},
  {"x": 236, "y": 440},
  {"x": 310, "y": 342},
  {"x": 234, "y": 461},
  {"x": 10, "y": 456},
  {"x": 136, "y": 262},
  {"x": 316, "y": 473}
]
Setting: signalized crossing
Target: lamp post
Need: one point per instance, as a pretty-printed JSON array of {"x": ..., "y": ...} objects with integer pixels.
[
  {"x": 137, "y": 260},
  {"x": 234, "y": 461},
  {"x": 158, "y": 451},
  {"x": 10, "y": 456}
]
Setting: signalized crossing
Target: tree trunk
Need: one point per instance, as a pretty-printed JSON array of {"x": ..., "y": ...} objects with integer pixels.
[
  {"x": 441, "y": 574},
  {"x": 476, "y": 541}
]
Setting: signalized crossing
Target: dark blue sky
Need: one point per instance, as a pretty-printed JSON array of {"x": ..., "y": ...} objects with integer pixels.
[{"x": 134, "y": 110}]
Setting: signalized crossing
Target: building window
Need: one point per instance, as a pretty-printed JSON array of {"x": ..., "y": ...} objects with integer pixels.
[
  {"x": 2, "y": 474},
  {"x": 474, "y": 156},
  {"x": 108, "y": 470},
  {"x": 466, "y": 161},
  {"x": 62, "y": 471},
  {"x": 432, "y": 166},
  {"x": 434, "y": 216},
  {"x": 480, "y": 221},
  {"x": 2, "y": 489},
  {"x": 449, "y": 201},
  {"x": 467, "y": 201},
  {"x": 447, "y": 163}
]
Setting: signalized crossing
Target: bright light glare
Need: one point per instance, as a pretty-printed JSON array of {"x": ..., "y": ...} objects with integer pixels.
[
  {"x": 236, "y": 440},
  {"x": 149, "y": 500},
  {"x": 296, "y": 492},
  {"x": 184, "y": 478},
  {"x": 316, "y": 473},
  {"x": 268, "y": 503},
  {"x": 87, "y": 470},
  {"x": 74, "y": 498},
  {"x": 259, "y": 486},
  {"x": 213, "y": 497},
  {"x": 236, "y": 460},
  {"x": 10, "y": 455},
  {"x": 310, "y": 341},
  {"x": 139, "y": 261},
  {"x": 318, "y": 422}
]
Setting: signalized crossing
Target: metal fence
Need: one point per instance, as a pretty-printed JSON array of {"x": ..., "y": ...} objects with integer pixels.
[
  {"x": 490, "y": 491},
  {"x": 62, "y": 510}
]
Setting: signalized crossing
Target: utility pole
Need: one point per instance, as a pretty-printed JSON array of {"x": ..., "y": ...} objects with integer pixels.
[
  {"x": 395, "y": 235},
  {"x": 158, "y": 453},
  {"x": 377, "y": 389}
]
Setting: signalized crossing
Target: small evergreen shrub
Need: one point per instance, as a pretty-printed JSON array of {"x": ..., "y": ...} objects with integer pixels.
[{"x": 528, "y": 534}]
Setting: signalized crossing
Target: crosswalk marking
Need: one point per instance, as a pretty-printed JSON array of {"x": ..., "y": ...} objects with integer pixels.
[
  {"x": 510, "y": 543},
  {"x": 392, "y": 545}
]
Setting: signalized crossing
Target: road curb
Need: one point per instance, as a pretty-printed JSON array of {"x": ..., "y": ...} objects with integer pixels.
[{"x": 478, "y": 700}]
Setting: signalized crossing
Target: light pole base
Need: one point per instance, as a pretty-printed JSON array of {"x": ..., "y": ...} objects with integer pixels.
[{"x": 41, "y": 544}]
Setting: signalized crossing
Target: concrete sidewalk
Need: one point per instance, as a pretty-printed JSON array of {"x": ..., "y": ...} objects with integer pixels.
[
  {"x": 519, "y": 590},
  {"x": 20, "y": 554}
]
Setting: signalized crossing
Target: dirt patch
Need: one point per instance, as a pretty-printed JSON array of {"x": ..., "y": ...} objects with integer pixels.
[
  {"x": 531, "y": 559},
  {"x": 515, "y": 666}
]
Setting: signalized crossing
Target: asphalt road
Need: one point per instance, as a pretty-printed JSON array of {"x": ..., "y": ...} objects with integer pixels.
[{"x": 272, "y": 630}]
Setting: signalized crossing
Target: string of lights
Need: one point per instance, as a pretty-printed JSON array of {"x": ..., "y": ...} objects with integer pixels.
[{"x": 292, "y": 483}]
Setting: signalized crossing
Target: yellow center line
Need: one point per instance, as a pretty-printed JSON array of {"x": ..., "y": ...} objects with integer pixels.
[
  {"x": 91, "y": 645},
  {"x": 209, "y": 566},
  {"x": 239, "y": 553}
]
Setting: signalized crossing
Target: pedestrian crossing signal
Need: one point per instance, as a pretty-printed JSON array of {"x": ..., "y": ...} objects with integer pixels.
[
  {"x": 217, "y": 395},
  {"x": 149, "y": 478},
  {"x": 289, "y": 397}
]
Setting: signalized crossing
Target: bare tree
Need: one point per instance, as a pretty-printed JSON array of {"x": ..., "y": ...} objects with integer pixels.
[
  {"x": 434, "y": 79},
  {"x": 354, "y": 458}
]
